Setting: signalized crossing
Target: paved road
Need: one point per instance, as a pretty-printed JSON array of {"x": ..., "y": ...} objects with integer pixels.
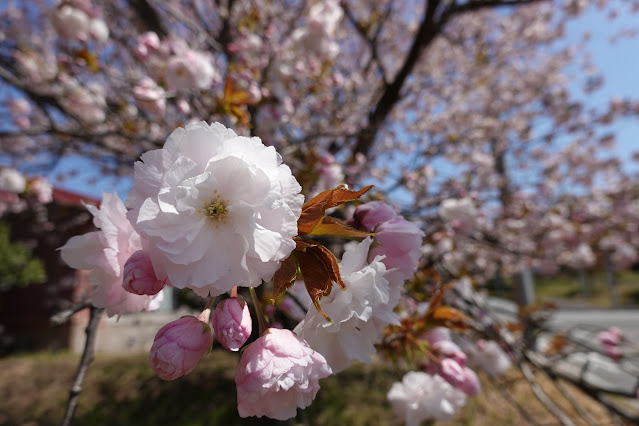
[{"x": 626, "y": 319}]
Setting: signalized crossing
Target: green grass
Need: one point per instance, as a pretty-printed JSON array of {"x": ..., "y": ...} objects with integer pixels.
[
  {"x": 122, "y": 390},
  {"x": 566, "y": 288}
]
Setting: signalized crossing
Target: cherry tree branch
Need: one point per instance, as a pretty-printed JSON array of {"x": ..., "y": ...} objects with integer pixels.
[
  {"x": 431, "y": 26},
  {"x": 64, "y": 315},
  {"x": 85, "y": 362}
]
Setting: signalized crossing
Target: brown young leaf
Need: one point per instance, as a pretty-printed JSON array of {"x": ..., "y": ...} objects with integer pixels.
[
  {"x": 445, "y": 313},
  {"x": 285, "y": 276},
  {"x": 317, "y": 278},
  {"x": 330, "y": 262},
  {"x": 556, "y": 344},
  {"x": 313, "y": 211},
  {"x": 333, "y": 226},
  {"x": 319, "y": 270},
  {"x": 450, "y": 317}
]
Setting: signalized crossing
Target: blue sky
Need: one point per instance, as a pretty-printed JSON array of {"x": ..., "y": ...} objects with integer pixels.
[{"x": 618, "y": 63}]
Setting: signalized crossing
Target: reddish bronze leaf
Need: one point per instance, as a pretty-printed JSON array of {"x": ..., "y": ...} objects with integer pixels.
[
  {"x": 317, "y": 278},
  {"x": 556, "y": 344},
  {"x": 313, "y": 211},
  {"x": 285, "y": 276},
  {"x": 330, "y": 262},
  {"x": 445, "y": 313},
  {"x": 302, "y": 245},
  {"x": 319, "y": 270},
  {"x": 333, "y": 226}
]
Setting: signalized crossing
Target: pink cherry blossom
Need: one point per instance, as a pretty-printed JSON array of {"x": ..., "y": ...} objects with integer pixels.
[
  {"x": 232, "y": 323},
  {"x": 358, "y": 314},
  {"x": 401, "y": 242},
  {"x": 190, "y": 69},
  {"x": 421, "y": 396},
  {"x": 148, "y": 43},
  {"x": 150, "y": 97},
  {"x": 98, "y": 30},
  {"x": 277, "y": 374},
  {"x": 461, "y": 214},
  {"x": 12, "y": 181},
  {"x": 179, "y": 346},
  {"x": 104, "y": 253},
  {"x": 70, "y": 22},
  {"x": 219, "y": 210},
  {"x": 398, "y": 240},
  {"x": 490, "y": 357},
  {"x": 371, "y": 214}
]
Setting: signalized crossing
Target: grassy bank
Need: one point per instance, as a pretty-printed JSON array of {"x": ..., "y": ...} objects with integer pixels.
[
  {"x": 124, "y": 391},
  {"x": 566, "y": 288}
]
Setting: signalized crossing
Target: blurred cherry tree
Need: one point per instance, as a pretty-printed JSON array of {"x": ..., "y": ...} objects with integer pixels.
[{"x": 464, "y": 114}]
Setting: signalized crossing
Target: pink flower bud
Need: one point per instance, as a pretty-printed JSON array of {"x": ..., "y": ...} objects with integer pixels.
[
  {"x": 616, "y": 331},
  {"x": 180, "y": 345},
  {"x": 452, "y": 372},
  {"x": 608, "y": 338},
  {"x": 232, "y": 323},
  {"x": 449, "y": 349},
  {"x": 463, "y": 378},
  {"x": 139, "y": 276},
  {"x": 471, "y": 385},
  {"x": 612, "y": 351}
]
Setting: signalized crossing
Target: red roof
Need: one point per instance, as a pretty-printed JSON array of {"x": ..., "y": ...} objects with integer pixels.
[{"x": 62, "y": 196}]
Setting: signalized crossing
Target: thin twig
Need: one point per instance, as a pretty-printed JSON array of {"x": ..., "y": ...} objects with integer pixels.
[
  {"x": 85, "y": 361},
  {"x": 64, "y": 315}
]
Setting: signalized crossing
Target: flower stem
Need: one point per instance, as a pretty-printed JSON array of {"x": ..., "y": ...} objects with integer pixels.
[
  {"x": 210, "y": 302},
  {"x": 261, "y": 319}
]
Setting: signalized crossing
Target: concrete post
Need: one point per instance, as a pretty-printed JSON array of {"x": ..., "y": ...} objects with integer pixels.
[{"x": 524, "y": 287}]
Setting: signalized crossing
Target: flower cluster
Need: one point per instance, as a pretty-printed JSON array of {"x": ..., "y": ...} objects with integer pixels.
[
  {"x": 176, "y": 65},
  {"x": 16, "y": 190},
  {"x": 79, "y": 20},
  {"x": 213, "y": 211}
]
